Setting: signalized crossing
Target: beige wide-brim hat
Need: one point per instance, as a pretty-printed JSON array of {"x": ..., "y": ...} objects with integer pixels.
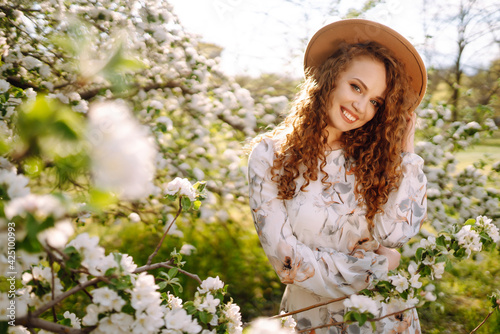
[{"x": 351, "y": 31}]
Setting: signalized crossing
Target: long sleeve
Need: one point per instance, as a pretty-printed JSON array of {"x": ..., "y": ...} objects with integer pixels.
[
  {"x": 324, "y": 271},
  {"x": 406, "y": 207}
]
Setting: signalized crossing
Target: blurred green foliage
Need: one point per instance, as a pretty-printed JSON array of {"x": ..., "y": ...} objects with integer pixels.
[{"x": 463, "y": 298}]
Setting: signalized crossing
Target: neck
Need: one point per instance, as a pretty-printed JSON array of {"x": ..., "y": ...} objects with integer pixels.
[{"x": 334, "y": 136}]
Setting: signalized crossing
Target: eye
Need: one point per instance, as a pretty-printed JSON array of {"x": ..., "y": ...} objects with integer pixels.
[
  {"x": 356, "y": 88},
  {"x": 375, "y": 103}
]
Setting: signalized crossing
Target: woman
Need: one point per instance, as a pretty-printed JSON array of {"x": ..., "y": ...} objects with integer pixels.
[{"x": 336, "y": 188}]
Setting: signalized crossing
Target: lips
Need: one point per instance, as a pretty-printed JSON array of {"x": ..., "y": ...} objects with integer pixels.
[{"x": 348, "y": 116}]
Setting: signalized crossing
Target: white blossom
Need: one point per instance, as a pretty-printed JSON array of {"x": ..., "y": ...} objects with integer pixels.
[
  {"x": 30, "y": 94},
  {"x": 488, "y": 227},
  {"x": 81, "y": 107},
  {"x": 400, "y": 282},
  {"x": 362, "y": 304},
  {"x": 107, "y": 298},
  {"x": 469, "y": 239},
  {"x": 429, "y": 296},
  {"x": 180, "y": 186},
  {"x": 288, "y": 321},
  {"x": 187, "y": 249},
  {"x": 91, "y": 318},
  {"x": 173, "y": 301},
  {"x": 428, "y": 243},
  {"x": 178, "y": 319},
  {"x": 134, "y": 217},
  {"x": 232, "y": 313},
  {"x": 30, "y": 62},
  {"x": 75, "y": 321},
  {"x": 18, "y": 330},
  {"x": 16, "y": 183},
  {"x": 123, "y": 321},
  {"x": 41, "y": 206},
  {"x": 83, "y": 242},
  {"x": 267, "y": 326},
  {"x": 127, "y": 264},
  {"x": 4, "y": 86},
  {"x": 123, "y": 155},
  {"x": 211, "y": 284},
  {"x": 414, "y": 279},
  {"x": 438, "y": 269},
  {"x": 58, "y": 235},
  {"x": 207, "y": 303}
]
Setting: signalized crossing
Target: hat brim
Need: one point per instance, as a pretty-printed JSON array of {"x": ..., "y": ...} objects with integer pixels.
[{"x": 351, "y": 31}]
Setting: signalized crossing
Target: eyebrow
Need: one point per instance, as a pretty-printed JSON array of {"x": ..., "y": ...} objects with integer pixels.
[{"x": 366, "y": 88}]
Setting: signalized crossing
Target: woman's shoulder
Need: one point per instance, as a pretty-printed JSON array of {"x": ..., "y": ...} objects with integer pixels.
[{"x": 265, "y": 147}]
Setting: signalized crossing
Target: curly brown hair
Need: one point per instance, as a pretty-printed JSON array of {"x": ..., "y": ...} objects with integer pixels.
[{"x": 372, "y": 151}]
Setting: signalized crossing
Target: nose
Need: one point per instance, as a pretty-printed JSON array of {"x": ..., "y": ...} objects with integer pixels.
[{"x": 360, "y": 104}]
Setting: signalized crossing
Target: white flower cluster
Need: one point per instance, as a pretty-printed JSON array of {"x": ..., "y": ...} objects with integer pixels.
[
  {"x": 16, "y": 183},
  {"x": 149, "y": 315},
  {"x": 362, "y": 304},
  {"x": 271, "y": 326},
  {"x": 288, "y": 321},
  {"x": 469, "y": 239},
  {"x": 211, "y": 284},
  {"x": 107, "y": 312},
  {"x": 486, "y": 224},
  {"x": 40, "y": 206},
  {"x": 95, "y": 260},
  {"x": 437, "y": 268},
  {"x": 43, "y": 276},
  {"x": 123, "y": 155},
  {"x": 182, "y": 187},
  {"x": 231, "y": 313}
]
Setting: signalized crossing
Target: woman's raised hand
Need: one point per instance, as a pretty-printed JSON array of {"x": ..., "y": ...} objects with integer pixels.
[
  {"x": 392, "y": 255},
  {"x": 409, "y": 135}
]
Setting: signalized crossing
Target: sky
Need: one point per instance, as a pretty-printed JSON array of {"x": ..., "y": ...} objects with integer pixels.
[{"x": 270, "y": 36}]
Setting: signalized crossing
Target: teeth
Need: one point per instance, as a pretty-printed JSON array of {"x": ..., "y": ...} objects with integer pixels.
[{"x": 348, "y": 116}]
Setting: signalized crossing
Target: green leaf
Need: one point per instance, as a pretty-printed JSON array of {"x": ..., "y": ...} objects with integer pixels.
[
  {"x": 470, "y": 221},
  {"x": 418, "y": 254},
  {"x": 363, "y": 317},
  {"x": 190, "y": 308},
  {"x": 75, "y": 258},
  {"x": 100, "y": 199},
  {"x": 196, "y": 205},
  {"x": 110, "y": 271},
  {"x": 205, "y": 317},
  {"x": 186, "y": 203},
  {"x": 173, "y": 272},
  {"x": 171, "y": 197},
  {"x": 426, "y": 271},
  {"x": 162, "y": 285},
  {"x": 460, "y": 253},
  {"x": 441, "y": 241},
  {"x": 200, "y": 186}
]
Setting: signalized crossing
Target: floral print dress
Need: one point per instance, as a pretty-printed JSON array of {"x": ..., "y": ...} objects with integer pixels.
[{"x": 319, "y": 244}]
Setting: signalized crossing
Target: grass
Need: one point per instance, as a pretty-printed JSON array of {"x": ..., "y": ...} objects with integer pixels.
[{"x": 489, "y": 147}]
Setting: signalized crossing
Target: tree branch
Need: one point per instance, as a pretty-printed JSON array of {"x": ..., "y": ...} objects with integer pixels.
[
  {"x": 166, "y": 265},
  {"x": 66, "y": 294},
  {"x": 350, "y": 322},
  {"x": 170, "y": 84},
  {"x": 34, "y": 322},
  {"x": 150, "y": 258},
  {"x": 482, "y": 323}
]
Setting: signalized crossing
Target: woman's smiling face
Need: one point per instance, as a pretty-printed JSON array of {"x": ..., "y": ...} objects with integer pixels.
[{"x": 359, "y": 92}]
